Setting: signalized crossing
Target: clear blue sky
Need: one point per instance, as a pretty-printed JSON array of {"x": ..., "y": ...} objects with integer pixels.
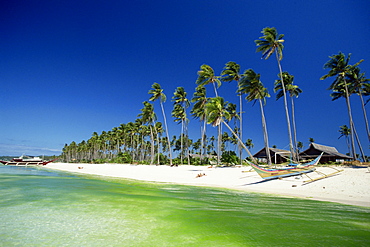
[{"x": 69, "y": 68}]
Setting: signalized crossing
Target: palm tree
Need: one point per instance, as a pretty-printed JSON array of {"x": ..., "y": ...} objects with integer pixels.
[
  {"x": 157, "y": 93},
  {"x": 198, "y": 111},
  {"x": 217, "y": 114},
  {"x": 206, "y": 75},
  {"x": 272, "y": 42},
  {"x": 360, "y": 85},
  {"x": 294, "y": 91},
  {"x": 340, "y": 92},
  {"x": 148, "y": 117},
  {"x": 181, "y": 103},
  {"x": 231, "y": 72},
  {"x": 345, "y": 131},
  {"x": 159, "y": 130},
  {"x": 339, "y": 67},
  {"x": 299, "y": 146},
  {"x": 249, "y": 143},
  {"x": 251, "y": 85}
]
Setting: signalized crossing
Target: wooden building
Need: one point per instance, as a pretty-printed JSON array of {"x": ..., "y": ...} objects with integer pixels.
[
  {"x": 277, "y": 155},
  {"x": 330, "y": 154}
]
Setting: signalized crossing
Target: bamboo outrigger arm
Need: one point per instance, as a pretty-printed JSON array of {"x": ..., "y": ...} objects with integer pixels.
[{"x": 323, "y": 175}]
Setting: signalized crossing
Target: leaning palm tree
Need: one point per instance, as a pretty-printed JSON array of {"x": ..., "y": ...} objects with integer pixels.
[
  {"x": 198, "y": 111},
  {"x": 231, "y": 72},
  {"x": 340, "y": 92},
  {"x": 339, "y": 68},
  {"x": 251, "y": 85},
  {"x": 157, "y": 93},
  {"x": 294, "y": 92},
  {"x": 272, "y": 42},
  {"x": 206, "y": 75},
  {"x": 360, "y": 85},
  {"x": 217, "y": 114}
]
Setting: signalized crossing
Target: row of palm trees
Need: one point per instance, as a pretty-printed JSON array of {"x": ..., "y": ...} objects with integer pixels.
[{"x": 142, "y": 139}]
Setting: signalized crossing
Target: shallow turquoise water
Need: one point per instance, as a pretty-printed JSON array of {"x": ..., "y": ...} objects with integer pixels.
[{"x": 39, "y": 207}]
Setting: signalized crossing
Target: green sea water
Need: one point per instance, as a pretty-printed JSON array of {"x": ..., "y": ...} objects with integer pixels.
[{"x": 40, "y": 207}]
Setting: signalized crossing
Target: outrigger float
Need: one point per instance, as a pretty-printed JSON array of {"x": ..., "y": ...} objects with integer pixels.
[
  {"x": 29, "y": 161},
  {"x": 293, "y": 170}
]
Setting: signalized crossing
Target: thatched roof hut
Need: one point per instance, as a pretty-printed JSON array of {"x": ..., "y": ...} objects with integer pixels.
[
  {"x": 330, "y": 153},
  {"x": 277, "y": 155}
]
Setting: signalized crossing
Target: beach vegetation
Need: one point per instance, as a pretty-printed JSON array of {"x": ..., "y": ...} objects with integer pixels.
[
  {"x": 229, "y": 158},
  {"x": 142, "y": 140}
]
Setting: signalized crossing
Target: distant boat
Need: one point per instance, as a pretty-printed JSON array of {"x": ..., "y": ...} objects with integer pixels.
[{"x": 26, "y": 161}]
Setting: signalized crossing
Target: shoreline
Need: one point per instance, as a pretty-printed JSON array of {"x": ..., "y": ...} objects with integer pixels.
[{"x": 351, "y": 186}]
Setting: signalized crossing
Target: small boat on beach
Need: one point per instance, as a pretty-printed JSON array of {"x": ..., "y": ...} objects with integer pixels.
[
  {"x": 293, "y": 170},
  {"x": 26, "y": 161}
]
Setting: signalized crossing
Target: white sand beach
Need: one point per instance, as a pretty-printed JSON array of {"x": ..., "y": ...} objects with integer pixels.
[{"x": 351, "y": 186}]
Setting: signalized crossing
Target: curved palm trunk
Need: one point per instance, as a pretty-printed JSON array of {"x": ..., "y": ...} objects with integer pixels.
[
  {"x": 168, "y": 136},
  {"x": 294, "y": 130},
  {"x": 214, "y": 86},
  {"x": 152, "y": 145},
  {"x": 187, "y": 144},
  {"x": 365, "y": 116},
  {"x": 203, "y": 142},
  {"x": 182, "y": 141},
  {"x": 359, "y": 144},
  {"x": 351, "y": 124},
  {"x": 265, "y": 135},
  {"x": 240, "y": 141},
  {"x": 219, "y": 144},
  {"x": 241, "y": 128},
  {"x": 286, "y": 110},
  {"x": 158, "y": 151},
  {"x": 348, "y": 144}
]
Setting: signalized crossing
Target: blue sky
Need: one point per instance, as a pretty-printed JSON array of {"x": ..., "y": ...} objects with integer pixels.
[{"x": 70, "y": 68}]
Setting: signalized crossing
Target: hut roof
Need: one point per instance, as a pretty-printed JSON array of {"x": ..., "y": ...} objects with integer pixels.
[
  {"x": 281, "y": 152},
  {"x": 322, "y": 148}
]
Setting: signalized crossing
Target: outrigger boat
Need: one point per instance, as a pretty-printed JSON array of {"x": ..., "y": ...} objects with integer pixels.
[
  {"x": 29, "y": 161},
  {"x": 295, "y": 169}
]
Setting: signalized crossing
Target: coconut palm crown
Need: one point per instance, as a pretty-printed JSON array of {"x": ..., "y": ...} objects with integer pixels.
[{"x": 270, "y": 42}]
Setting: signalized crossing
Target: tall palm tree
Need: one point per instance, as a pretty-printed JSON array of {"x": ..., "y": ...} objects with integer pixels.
[
  {"x": 339, "y": 67},
  {"x": 206, "y": 75},
  {"x": 294, "y": 92},
  {"x": 340, "y": 92},
  {"x": 198, "y": 111},
  {"x": 345, "y": 131},
  {"x": 217, "y": 114},
  {"x": 231, "y": 72},
  {"x": 360, "y": 85},
  {"x": 181, "y": 103},
  {"x": 157, "y": 93},
  {"x": 251, "y": 85},
  {"x": 272, "y": 42},
  {"x": 149, "y": 117}
]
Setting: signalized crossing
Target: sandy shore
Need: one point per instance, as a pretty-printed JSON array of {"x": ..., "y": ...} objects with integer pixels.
[{"x": 351, "y": 186}]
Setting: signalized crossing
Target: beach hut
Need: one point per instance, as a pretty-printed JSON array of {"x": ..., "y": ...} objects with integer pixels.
[
  {"x": 278, "y": 156},
  {"x": 331, "y": 154}
]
